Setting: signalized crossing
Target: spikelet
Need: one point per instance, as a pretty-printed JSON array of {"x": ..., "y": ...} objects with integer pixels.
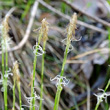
[
  {"x": 16, "y": 74},
  {"x": 72, "y": 26},
  {"x": 43, "y": 34},
  {"x": 4, "y": 29},
  {"x": 5, "y": 25},
  {"x": 45, "y": 28}
]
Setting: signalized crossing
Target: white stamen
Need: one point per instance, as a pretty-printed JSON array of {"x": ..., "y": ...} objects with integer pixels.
[
  {"x": 37, "y": 50},
  {"x": 6, "y": 75},
  {"x": 5, "y": 43},
  {"x": 60, "y": 80},
  {"x": 101, "y": 96},
  {"x": 74, "y": 39},
  {"x": 29, "y": 100},
  {"x": 64, "y": 41}
]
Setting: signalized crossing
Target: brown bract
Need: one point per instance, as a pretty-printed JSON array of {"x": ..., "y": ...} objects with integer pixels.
[
  {"x": 72, "y": 26},
  {"x": 15, "y": 71},
  {"x": 5, "y": 26},
  {"x": 44, "y": 28}
]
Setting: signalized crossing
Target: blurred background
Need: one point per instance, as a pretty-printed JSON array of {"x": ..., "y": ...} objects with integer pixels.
[{"x": 87, "y": 64}]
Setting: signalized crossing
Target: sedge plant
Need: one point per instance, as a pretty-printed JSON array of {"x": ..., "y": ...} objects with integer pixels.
[
  {"x": 45, "y": 38},
  {"x": 36, "y": 48},
  {"x": 16, "y": 80},
  {"x": 4, "y": 44},
  {"x": 70, "y": 33}
]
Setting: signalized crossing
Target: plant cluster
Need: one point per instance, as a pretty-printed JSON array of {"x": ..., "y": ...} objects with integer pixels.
[{"x": 38, "y": 50}]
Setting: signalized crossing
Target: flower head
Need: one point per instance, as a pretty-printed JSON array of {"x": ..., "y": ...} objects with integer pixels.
[
  {"x": 16, "y": 72},
  {"x": 72, "y": 26},
  {"x": 45, "y": 28},
  {"x": 4, "y": 29}
]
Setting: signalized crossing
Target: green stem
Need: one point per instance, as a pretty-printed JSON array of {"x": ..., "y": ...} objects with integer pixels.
[
  {"x": 104, "y": 92},
  {"x": 27, "y": 7},
  {"x": 5, "y": 92},
  {"x": 14, "y": 95},
  {"x": 42, "y": 76},
  {"x": 34, "y": 71},
  {"x": 57, "y": 97},
  {"x": 19, "y": 90},
  {"x": 65, "y": 57},
  {"x": 3, "y": 69}
]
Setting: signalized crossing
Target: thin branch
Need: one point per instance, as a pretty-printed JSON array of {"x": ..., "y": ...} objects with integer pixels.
[
  {"x": 10, "y": 11},
  {"x": 106, "y": 5},
  {"x": 106, "y": 50},
  {"x": 76, "y": 61},
  {"x": 88, "y": 15},
  {"x": 28, "y": 30},
  {"x": 68, "y": 18}
]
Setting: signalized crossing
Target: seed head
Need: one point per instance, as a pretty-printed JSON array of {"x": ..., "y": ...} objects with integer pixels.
[
  {"x": 16, "y": 72},
  {"x": 5, "y": 24},
  {"x": 72, "y": 26},
  {"x": 45, "y": 28}
]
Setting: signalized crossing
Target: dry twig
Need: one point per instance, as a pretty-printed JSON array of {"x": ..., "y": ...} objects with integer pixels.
[
  {"x": 90, "y": 52},
  {"x": 68, "y": 17},
  {"x": 28, "y": 30},
  {"x": 88, "y": 15}
]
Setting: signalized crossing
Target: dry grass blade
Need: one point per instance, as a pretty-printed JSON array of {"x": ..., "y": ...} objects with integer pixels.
[
  {"x": 68, "y": 17},
  {"x": 83, "y": 12}
]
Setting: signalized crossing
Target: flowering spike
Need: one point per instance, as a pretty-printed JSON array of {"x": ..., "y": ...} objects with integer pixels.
[
  {"x": 16, "y": 72},
  {"x": 71, "y": 33},
  {"x": 45, "y": 29},
  {"x": 72, "y": 26}
]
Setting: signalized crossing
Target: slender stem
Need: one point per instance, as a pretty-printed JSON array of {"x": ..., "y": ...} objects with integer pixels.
[
  {"x": 57, "y": 97},
  {"x": 65, "y": 57},
  {"x": 3, "y": 69},
  {"x": 5, "y": 79},
  {"x": 104, "y": 92},
  {"x": 19, "y": 90},
  {"x": 14, "y": 95},
  {"x": 3, "y": 65},
  {"x": 34, "y": 71},
  {"x": 42, "y": 76}
]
